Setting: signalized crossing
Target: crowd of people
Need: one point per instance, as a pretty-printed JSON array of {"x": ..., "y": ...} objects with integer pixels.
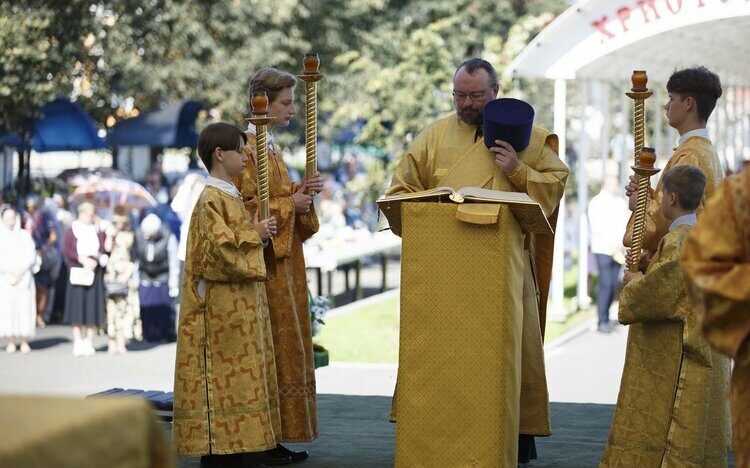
[
  {"x": 95, "y": 268},
  {"x": 132, "y": 295}
]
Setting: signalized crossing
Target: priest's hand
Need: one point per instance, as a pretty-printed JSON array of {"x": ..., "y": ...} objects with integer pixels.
[
  {"x": 505, "y": 156},
  {"x": 314, "y": 183},
  {"x": 301, "y": 200},
  {"x": 265, "y": 228}
]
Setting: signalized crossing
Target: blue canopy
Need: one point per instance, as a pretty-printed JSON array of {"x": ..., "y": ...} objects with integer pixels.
[
  {"x": 171, "y": 127},
  {"x": 62, "y": 126}
]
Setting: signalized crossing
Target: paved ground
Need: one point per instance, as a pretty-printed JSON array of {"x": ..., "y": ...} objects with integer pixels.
[
  {"x": 354, "y": 399},
  {"x": 585, "y": 369}
]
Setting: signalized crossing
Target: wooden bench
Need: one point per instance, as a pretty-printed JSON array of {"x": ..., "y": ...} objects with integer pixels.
[{"x": 161, "y": 401}]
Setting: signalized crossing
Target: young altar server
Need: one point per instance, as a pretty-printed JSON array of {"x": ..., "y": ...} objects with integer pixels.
[
  {"x": 672, "y": 406},
  {"x": 693, "y": 93},
  {"x": 288, "y": 300},
  {"x": 225, "y": 391}
]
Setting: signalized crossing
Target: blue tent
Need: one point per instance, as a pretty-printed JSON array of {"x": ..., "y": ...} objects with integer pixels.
[
  {"x": 62, "y": 126},
  {"x": 171, "y": 127}
]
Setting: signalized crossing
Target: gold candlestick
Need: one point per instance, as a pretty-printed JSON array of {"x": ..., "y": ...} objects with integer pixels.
[
  {"x": 639, "y": 94},
  {"x": 311, "y": 76},
  {"x": 644, "y": 169},
  {"x": 260, "y": 119}
]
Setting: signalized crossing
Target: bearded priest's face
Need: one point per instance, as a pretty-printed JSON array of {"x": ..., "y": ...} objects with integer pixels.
[{"x": 470, "y": 93}]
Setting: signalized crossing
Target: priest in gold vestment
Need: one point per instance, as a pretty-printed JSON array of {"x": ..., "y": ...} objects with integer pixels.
[
  {"x": 671, "y": 409},
  {"x": 288, "y": 298},
  {"x": 225, "y": 391},
  {"x": 451, "y": 152},
  {"x": 692, "y": 97},
  {"x": 716, "y": 259}
]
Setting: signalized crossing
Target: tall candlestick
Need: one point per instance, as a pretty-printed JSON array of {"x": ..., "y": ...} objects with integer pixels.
[
  {"x": 644, "y": 159},
  {"x": 260, "y": 119},
  {"x": 311, "y": 76}
]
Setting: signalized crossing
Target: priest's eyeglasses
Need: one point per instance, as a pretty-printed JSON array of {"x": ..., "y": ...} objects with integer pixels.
[{"x": 460, "y": 96}]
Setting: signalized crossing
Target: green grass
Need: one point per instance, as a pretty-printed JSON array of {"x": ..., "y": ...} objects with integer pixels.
[
  {"x": 371, "y": 334},
  {"x": 555, "y": 329},
  {"x": 367, "y": 335}
]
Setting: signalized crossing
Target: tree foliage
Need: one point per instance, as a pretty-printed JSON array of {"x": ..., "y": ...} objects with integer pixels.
[
  {"x": 388, "y": 63},
  {"x": 42, "y": 54}
]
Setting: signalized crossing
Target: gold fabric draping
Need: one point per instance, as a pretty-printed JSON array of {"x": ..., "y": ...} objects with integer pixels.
[
  {"x": 38, "y": 431},
  {"x": 459, "y": 376},
  {"x": 716, "y": 259},
  {"x": 225, "y": 391}
]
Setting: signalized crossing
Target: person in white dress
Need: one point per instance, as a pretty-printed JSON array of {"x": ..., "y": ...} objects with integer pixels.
[{"x": 17, "y": 291}]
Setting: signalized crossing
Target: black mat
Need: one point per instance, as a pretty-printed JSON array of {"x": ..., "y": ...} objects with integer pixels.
[{"x": 355, "y": 432}]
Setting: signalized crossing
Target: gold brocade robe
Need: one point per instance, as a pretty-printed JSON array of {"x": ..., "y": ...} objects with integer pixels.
[
  {"x": 671, "y": 410},
  {"x": 716, "y": 259},
  {"x": 447, "y": 154},
  {"x": 697, "y": 151},
  {"x": 225, "y": 392},
  {"x": 288, "y": 299}
]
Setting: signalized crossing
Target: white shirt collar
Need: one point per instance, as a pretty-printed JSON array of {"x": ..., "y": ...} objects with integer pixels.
[
  {"x": 699, "y": 132},
  {"x": 223, "y": 185},
  {"x": 687, "y": 219},
  {"x": 269, "y": 136}
]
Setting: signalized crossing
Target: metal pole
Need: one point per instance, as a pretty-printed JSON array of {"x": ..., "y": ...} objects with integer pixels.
[
  {"x": 583, "y": 299},
  {"x": 557, "y": 311}
]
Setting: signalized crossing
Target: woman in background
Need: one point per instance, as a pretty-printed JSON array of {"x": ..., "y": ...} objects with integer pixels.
[
  {"x": 84, "y": 252},
  {"x": 122, "y": 289},
  {"x": 159, "y": 272},
  {"x": 17, "y": 290}
]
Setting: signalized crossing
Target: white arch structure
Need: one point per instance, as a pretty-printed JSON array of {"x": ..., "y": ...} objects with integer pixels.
[{"x": 603, "y": 41}]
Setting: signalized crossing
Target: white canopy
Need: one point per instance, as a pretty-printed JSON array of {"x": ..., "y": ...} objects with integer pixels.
[
  {"x": 607, "y": 40},
  {"x": 603, "y": 41}
]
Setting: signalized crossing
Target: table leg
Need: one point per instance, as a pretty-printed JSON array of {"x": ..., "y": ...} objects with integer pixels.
[
  {"x": 330, "y": 284},
  {"x": 384, "y": 266},
  {"x": 357, "y": 284},
  {"x": 319, "y": 274}
]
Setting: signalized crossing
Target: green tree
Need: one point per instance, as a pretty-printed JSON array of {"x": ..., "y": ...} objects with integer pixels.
[
  {"x": 43, "y": 54},
  {"x": 388, "y": 62}
]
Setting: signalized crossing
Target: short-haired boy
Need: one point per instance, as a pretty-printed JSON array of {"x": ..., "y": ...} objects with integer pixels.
[
  {"x": 672, "y": 406},
  {"x": 693, "y": 93},
  {"x": 225, "y": 390}
]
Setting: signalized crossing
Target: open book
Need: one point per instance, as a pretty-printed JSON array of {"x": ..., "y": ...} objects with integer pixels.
[{"x": 528, "y": 212}]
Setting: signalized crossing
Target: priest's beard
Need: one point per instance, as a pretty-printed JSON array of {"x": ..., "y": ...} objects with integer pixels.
[{"x": 470, "y": 116}]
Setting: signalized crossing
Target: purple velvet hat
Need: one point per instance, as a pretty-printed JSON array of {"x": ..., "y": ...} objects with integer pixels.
[{"x": 509, "y": 120}]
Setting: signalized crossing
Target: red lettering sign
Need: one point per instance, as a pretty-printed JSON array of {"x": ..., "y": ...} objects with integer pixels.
[
  {"x": 649, "y": 11},
  {"x": 623, "y": 14},
  {"x": 600, "y": 26},
  {"x": 643, "y": 4},
  {"x": 674, "y": 10}
]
